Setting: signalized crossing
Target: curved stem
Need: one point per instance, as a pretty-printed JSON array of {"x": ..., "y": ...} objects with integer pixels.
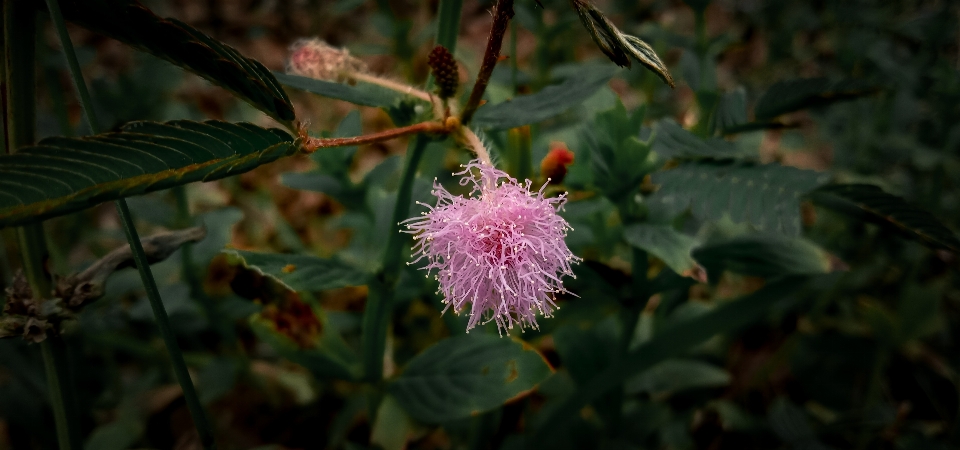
[
  {"x": 150, "y": 285},
  {"x": 393, "y": 86},
  {"x": 473, "y": 141},
  {"x": 311, "y": 145}
]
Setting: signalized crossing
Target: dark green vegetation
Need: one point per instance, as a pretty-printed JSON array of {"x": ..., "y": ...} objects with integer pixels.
[{"x": 769, "y": 259}]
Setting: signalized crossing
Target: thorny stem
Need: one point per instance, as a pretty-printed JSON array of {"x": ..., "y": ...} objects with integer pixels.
[
  {"x": 146, "y": 276},
  {"x": 311, "y": 144},
  {"x": 502, "y": 14}
]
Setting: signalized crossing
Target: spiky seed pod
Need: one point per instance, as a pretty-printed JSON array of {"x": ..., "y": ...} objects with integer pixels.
[{"x": 445, "y": 72}]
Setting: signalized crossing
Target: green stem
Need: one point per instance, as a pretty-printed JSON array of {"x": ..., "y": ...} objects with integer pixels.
[
  {"x": 376, "y": 316},
  {"x": 19, "y": 117},
  {"x": 513, "y": 57},
  {"x": 166, "y": 332},
  {"x": 448, "y": 23},
  {"x": 163, "y": 323},
  {"x": 58, "y": 387}
]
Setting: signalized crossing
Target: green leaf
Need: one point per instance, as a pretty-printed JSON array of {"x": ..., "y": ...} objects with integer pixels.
[
  {"x": 467, "y": 375},
  {"x": 870, "y": 203},
  {"x": 671, "y": 141},
  {"x": 730, "y": 112},
  {"x": 763, "y": 255},
  {"x": 62, "y": 175},
  {"x": 551, "y": 101},
  {"x": 120, "y": 434},
  {"x": 301, "y": 273},
  {"x": 132, "y": 23},
  {"x": 662, "y": 241},
  {"x": 766, "y": 196},
  {"x": 794, "y": 95},
  {"x": 618, "y": 159},
  {"x": 392, "y": 426},
  {"x": 360, "y": 94},
  {"x": 675, "y": 375},
  {"x": 329, "y": 358},
  {"x": 675, "y": 339}
]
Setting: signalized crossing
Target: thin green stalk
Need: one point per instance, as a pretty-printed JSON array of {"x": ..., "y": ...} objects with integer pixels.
[
  {"x": 513, "y": 57},
  {"x": 448, "y": 23},
  {"x": 163, "y": 324},
  {"x": 204, "y": 430},
  {"x": 19, "y": 111},
  {"x": 448, "y": 27},
  {"x": 54, "y": 351},
  {"x": 376, "y": 316},
  {"x": 192, "y": 275}
]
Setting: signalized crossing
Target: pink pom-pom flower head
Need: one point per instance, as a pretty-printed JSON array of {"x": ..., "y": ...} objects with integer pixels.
[{"x": 499, "y": 252}]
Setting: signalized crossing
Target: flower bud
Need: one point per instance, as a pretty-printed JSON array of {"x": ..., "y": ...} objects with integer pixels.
[
  {"x": 316, "y": 59},
  {"x": 554, "y": 165}
]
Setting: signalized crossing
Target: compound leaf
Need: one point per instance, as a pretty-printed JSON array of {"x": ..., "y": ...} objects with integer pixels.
[
  {"x": 872, "y": 204},
  {"x": 134, "y": 24},
  {"x": 766, "y": 196},
  {"x": 62, "y": 175}
]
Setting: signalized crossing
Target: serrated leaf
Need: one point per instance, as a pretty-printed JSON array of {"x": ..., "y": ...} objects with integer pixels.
[
  {"x": 134, "y": 24},
  {"x": 872, "y": 204},
  {"x": 763, "y": 255},
  {"x": 360, "y": 94},
  {"x": 671, "y": 141},
  {"x": 794, "y": 95},
  {"x": 671, "y": 246},
  {"x": 301, "y": 273},
  {"x": 62, "y": 175},
  {"x": 467, "y": 375},
  {"x": 619, "y": 46},
  {"x": 675, "y": 375},
  {"x": 766, "y": 196},
  {"x": 551, "y": 101}
]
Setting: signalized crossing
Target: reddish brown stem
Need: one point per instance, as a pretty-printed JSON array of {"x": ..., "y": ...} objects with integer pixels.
[
  {"x": 501, "y": 17},
  {"x": 313, "y": 144}
]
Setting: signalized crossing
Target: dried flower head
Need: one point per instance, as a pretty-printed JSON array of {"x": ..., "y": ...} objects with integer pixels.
[
  {"x": 500, "y": 250},
  {"x": 315, "y": 58}
]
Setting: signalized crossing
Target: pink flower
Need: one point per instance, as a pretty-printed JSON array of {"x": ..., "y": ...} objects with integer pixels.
[{"x": 501, "y": 253}]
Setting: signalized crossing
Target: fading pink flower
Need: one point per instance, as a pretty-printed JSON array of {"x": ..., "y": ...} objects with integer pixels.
[{"x": 501, "y": 252}]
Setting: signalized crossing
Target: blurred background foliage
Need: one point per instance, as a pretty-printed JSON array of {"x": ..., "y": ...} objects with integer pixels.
[{"x": 864, "y": 355}]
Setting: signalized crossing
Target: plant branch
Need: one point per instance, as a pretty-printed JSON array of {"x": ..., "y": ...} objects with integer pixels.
[
  {"x": 311, "y": 145},
  {"x": 204, "y": 430},
  {"x": 502, "y": 14}
]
